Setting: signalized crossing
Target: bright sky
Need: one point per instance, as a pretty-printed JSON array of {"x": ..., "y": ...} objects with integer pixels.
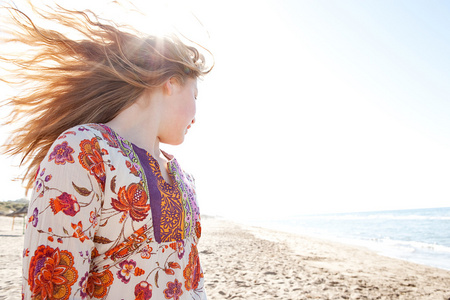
[{"x": 315, "y": 106}]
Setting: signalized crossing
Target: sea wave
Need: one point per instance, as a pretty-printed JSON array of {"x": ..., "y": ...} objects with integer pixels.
[
  {"x": 413, "y": 246},
  {"x": 421, "y": 236},
  {"x": 375, "y": 217}
]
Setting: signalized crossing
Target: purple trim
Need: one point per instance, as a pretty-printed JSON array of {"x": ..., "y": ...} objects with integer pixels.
[{"x": 155, "y": 194}]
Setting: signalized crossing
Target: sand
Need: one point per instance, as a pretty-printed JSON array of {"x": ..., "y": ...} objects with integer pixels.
[
  {"x": 242, "y": 262},
  {"x": 11, "y": 250}
]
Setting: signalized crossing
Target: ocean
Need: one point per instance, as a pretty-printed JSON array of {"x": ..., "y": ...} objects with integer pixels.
[{"x": 418, "y": 235}]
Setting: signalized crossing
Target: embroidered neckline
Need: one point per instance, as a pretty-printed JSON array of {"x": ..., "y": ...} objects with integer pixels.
[{"x": 129, "y": 147}]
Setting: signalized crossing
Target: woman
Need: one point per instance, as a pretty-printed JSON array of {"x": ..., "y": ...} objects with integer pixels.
[{"x": 111, "y": 216}]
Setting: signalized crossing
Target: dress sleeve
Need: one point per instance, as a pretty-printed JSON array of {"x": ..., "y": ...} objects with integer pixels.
[{"x": 63, "y": 217}]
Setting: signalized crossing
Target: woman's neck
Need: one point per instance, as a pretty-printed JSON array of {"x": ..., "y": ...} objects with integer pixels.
[{"x": 139, "y": 124}]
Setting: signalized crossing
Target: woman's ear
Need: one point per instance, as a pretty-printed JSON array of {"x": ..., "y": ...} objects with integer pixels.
[{"x": 168, "y": 86}]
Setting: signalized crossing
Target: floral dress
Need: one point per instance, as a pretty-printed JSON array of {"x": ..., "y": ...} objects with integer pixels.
[{"x": 104, "y": 224}]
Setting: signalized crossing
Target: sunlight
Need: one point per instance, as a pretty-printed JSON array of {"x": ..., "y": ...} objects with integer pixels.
[
  {"x": 353, "y": 116},
  {"x": 150, "y": 17},
  {"x": 159, "y": 17},
  {"x": 162, "y": 17}
]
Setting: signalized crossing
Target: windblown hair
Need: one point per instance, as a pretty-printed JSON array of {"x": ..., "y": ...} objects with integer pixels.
[{"x": 67, "y": 82}]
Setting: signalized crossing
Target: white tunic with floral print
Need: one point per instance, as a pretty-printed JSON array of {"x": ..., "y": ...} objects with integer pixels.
[{"x": 104, "y": 224}]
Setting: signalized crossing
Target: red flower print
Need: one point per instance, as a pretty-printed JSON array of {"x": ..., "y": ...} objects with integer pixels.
[
  {"x": 143, "y": 291},
  {"x": 34, "y": 218},
  {"x": 63, "y": 136},
  {"x": 180, "y": 249},
  {"x": 173, "y": 290},
  {"x": 132, "y": 168},
  {"x": 62, "y": 153},
  {"x": 127, "y": 268},
  {"x": 83, "y": 285},
  {"x": 51, "y": 273},
  {"x": 79, "y": 231},
  {"x": 132, "y": 243},
  {"x": 93, "y": 218},
  {"x": 112, "y": 142},
  {"x": 94, "y": 253},
  {"x": 169, "y": 271},
  {"x": 133, "y": 200},
  {"x": 174, "y": 265},
  {"x": 192, "y": 273},
  {"x": 138, "y": 271},
  {"x": 146, "y": 252},
  {"x": 66, "y": 203},
  {"x": 173, "y": 245},
  {"x": 91, "y": 159},
  {"x": 98, "y": 283},
  {"x": 198, "y": 229}
]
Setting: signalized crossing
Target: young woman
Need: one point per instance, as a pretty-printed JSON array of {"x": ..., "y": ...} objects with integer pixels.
[{"x": 111, "y": 216}]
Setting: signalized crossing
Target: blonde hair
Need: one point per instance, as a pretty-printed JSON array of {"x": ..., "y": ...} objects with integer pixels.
[{"x": 91, "y": 80}]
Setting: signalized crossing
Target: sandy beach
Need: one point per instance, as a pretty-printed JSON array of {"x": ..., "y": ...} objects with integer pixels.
[
  {"x": 11, "y": 249},
  {"x": 242, "y": 262}
]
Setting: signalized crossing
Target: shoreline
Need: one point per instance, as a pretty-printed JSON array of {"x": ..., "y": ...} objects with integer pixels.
[
  {"x": 368, "y": 244},
  {"x": 414, "y": 235},
  {"x": 245, "y": 262},
  {"x": 260, "y": 263}
]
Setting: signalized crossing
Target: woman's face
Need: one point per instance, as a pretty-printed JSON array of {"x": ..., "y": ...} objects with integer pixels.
[{"x": 179, "y": 112}]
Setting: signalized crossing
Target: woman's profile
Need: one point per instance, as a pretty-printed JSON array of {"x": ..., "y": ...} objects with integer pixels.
[{"x": 111, "y": 216}]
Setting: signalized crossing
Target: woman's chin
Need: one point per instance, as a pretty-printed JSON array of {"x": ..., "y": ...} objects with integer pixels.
[{"x": 174, "y": 141}]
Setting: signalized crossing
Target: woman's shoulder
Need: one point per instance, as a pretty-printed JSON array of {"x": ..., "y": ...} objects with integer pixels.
[
  {"x": 85, "y": 138},
  {"x": 99, "y": 132},
  {"x": 81, "y": 148},
  {"x": 85, "y": 131}
]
